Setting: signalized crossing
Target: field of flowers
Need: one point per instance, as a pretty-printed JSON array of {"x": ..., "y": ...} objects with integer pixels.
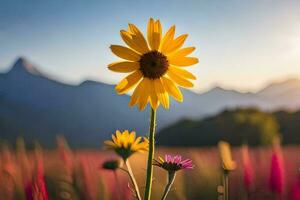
[{"x": 65, "y": 174}]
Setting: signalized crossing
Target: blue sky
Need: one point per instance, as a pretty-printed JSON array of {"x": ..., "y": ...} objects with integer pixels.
[{"x": 240, "y": 44}]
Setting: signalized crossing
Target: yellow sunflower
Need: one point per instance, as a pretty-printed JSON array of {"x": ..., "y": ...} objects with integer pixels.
[
  {"x": 155, "y": 67},
  {"x": 125, "y": 143}
]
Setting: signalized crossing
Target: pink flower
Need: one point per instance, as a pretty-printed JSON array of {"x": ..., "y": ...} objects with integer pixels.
[
  {"x": 28, "y": 190},
  {"x": 39, "y": 188},
  {"x": 296, "y": 190},
  {"x": 174, "y": 163},
  {"x": 247, "y": 168},
  {"x": 36, "y": 190},
  {"x": 276, "y": 181}
]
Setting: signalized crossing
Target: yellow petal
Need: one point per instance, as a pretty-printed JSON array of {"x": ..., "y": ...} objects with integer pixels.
[
  {"x": 176, "y": 44},
  {"x": 131, "y": 137},
  {"x": 153, "y": 97},
  {"x": 158, "y": 34},
  {"x": 179, "y": 80},
  {"x": 150, "y": 30},
  {"x": 172, "y": 89},
  {"x": 133, "y": 147},
  {"x": 161, "y": 93},
  {"x": 161, "y": 159},
  {"x": 136, "y": 147},
  {"x": 167, "y": 39},
  {"x": 182, "y": 72},
  {"x": 131, "y": 41},
  {"x": 126, "y": 134},
  {"x": 124, "y": 66},
  {"x": 109, "y": 143},
  {"x": 144, "y": 94},
  {"x": 154, "y": 31},
  {"x": 138, "y": 37},
  {"x": 138, "y": 139},
  {"x": 114, "y": 139},
  {"x": 128, "y": 82},
  {"x": 181, "y": 53},
  {"x": 183, "y": 61},
  {"x": 136, "y": 93},
  {"x": 125, "y": 53},
  {"x": 118, "y": 133}
]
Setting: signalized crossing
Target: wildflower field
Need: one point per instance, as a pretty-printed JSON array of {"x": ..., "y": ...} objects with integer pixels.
[
  {"x": 149, "y": 64},
  {"x": 65, "y": 174}
]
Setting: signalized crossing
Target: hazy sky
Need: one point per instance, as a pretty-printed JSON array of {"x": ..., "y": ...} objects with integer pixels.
[{"x": 240, "y": 44}]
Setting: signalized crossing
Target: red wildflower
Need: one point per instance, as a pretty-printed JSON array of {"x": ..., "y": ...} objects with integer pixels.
[
  {"x": 247, "y": 168},
  {"x": 296, "y": 190},
  {"x": 276, "y": 181}
]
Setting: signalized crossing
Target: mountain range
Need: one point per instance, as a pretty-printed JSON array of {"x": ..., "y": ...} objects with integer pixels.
[{"x": 37, "y": 107}]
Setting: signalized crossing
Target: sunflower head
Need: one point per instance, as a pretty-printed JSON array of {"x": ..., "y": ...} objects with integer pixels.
[
  {"x": 156, "y": 65},
  {"x": 125, "y": 143},
  {"x": 153, "y": 64},
  {"x": 225, "y": 153}
]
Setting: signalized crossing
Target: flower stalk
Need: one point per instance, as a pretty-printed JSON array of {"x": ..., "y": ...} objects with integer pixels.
[
  {"x": 225, "y": 185},
  {"x": 228, "y": 165},
  {"x": 154, "y": 76},
  {"x": 132, "y": 178},
  {"x": 171, "y": 178},
  {"x": 150, "y": 155},
  {"x": 172, "y": 164}
]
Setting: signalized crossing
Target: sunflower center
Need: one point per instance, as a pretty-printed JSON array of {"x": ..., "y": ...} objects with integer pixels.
[{"x": 153, "y": 64}]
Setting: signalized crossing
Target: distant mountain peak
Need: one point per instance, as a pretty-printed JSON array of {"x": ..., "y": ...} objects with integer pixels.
[
  {"x": 23, "y": 64},
  {"x": 280, "y": 87},
  {"x": 219, "y": 89},
  {"x": 290, "y": 81},
  {"x": 92, "y": 82}
]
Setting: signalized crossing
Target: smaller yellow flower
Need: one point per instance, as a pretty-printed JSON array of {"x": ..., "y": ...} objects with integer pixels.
[
  {"x": 225, "y": 153},
  {"x": 125, "y": 143}
]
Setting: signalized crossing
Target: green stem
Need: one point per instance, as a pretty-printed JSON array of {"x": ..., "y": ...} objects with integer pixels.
[
  {"x": 225, "y": 185},
  {"x": 171, "y": 178},
  {"x": 134, "y": 183},
  {"x": 150, "y": 155}
]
